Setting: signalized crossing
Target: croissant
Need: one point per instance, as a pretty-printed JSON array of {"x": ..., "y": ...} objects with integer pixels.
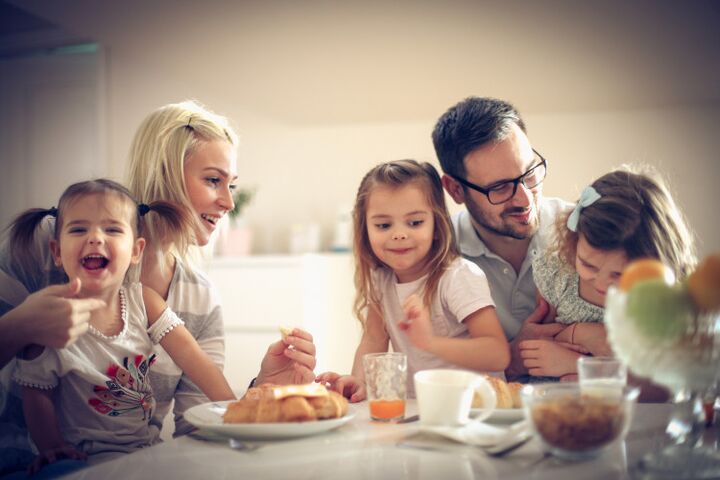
[
  {"x": 508, "y": 394},
  {"x": 269, "y": 403}
]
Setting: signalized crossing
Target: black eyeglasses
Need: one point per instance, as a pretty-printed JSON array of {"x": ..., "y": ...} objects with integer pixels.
[{"x": 504, "y": 191}]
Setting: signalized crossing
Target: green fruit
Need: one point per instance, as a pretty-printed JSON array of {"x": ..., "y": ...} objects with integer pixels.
[{"x": 660, "y": 311}]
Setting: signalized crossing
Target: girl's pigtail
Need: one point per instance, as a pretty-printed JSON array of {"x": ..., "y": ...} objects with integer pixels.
[
  {"x": 176, "y": 225},
  {"x": 22, "y": 234}
]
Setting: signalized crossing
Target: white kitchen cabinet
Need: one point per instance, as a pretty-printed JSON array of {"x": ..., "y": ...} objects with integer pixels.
[{"x": 260, "y": 293}]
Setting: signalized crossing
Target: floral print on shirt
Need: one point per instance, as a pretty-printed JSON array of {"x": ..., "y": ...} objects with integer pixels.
[{"x": 126, "y": 390}]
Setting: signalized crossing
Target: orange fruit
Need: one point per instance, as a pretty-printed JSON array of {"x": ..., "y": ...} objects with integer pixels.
[
  {"x": 645, "y": 269},
  {"x": 704, "y": 283}
]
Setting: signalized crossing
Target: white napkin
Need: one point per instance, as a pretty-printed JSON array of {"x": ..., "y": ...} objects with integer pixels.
[{"x": 479, "y": 434}]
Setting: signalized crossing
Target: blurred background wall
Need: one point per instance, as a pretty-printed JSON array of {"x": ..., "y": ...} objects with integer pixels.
[{"x": 320, "y": 91}]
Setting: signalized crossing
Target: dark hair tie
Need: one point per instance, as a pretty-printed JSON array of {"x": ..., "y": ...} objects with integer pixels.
[
  {"x": 143, "y": 209},
  {"x": 52, "y": 211},
  {"x": 188, "y": 124}
]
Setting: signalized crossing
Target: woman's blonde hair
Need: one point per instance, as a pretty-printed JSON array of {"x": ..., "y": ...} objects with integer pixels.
[
  {"x": 398, "y": 174},
  {"x": 156, "y": 166},
  {"x": 635, "y": 213}
]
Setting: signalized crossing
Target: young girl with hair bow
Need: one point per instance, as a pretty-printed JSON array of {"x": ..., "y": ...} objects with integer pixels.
[{"x": 622, "y": 216}]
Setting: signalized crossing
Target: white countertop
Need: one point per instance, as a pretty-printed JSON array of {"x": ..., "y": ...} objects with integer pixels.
[{"x": 365, "y": 450}]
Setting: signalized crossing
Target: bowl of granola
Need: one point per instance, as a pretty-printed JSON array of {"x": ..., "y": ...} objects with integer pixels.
[{"x": 572, "y": 423}]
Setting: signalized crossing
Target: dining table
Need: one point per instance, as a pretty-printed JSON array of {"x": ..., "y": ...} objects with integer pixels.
[{"x": 365, "y": 449}]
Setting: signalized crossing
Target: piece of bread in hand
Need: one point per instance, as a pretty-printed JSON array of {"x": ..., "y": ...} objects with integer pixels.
[{"x": 285, "y": 331}]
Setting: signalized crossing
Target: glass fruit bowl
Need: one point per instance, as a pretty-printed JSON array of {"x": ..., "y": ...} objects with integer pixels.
[
  {"x": 658, "y": 333},
  {"x": 572, "y": 424}
]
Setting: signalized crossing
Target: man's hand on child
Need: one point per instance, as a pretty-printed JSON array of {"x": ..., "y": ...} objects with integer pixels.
[
  {"x": 53, "y": 455},
  {"x": 549, "y": 358},
  {"x": 532, "y": 329},
  {"x": 416, "y": 322},
  {"x": 346, "y": 385}
]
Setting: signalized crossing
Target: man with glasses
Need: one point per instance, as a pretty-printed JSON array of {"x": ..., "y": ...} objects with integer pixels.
[{"x": 490, "y": 166}]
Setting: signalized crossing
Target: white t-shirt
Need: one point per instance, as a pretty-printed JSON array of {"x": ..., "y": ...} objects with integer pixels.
[
  {"x": 463, "y": 289},
  {"x": 191, "y": 296},
  {"x": 103, "y": 398}
]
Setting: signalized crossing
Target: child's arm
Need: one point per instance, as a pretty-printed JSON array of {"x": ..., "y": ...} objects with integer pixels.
[
  {"x": 539, "y": 325},
  {"x": 550, "y": 357},
  {"x": 42, "y": 425},
  {"x": 487, "y": 349},
  {"x": 375, "y": 339},
  {"x": 187, "y": 354},
  {"x": 591, "y": 336}
]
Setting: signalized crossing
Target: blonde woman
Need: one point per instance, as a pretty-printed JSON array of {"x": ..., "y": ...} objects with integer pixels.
[{"x": 181, "y": 153}]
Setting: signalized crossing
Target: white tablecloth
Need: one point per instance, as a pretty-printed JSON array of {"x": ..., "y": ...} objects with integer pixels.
[{"x": 365, "y": 450}]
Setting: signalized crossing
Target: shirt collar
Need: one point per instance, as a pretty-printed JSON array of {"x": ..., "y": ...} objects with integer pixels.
[{"x": 470, "y": 244}]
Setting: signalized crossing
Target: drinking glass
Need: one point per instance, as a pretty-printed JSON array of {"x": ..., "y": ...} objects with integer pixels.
[
  {"x": 386, "y": 385},
  {"x": 601, "y": 376}
]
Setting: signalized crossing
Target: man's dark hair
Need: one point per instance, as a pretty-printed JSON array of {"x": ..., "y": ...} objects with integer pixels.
[{"x": 469, "y": 125}]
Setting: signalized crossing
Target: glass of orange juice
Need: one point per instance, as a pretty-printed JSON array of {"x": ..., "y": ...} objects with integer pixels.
[{"x": 386, "y": 385}]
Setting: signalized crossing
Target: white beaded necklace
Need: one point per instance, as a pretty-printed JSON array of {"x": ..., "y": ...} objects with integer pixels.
[
  {"x": 123, "y": 306},
  {"x": 123, "y": 317}
]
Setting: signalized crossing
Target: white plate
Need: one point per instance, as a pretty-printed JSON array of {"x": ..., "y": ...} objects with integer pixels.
[
  {"x": 503, "y": 414},
  {"x": 208, "y": 417}
]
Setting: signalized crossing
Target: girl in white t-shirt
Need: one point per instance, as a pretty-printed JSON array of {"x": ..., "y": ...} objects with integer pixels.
[
  {"x": 93, "y": 398},
  {"x": 413, "y": 289}
]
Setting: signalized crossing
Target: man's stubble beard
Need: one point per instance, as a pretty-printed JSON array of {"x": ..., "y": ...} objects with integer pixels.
[{"x": 503, "y": 229}]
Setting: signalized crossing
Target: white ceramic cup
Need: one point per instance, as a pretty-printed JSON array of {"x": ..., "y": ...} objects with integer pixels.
[{"x": 445, "y": 396}]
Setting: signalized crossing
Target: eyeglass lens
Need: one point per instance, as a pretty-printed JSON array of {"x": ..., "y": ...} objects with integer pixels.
[{"x": 505, "y": 191}]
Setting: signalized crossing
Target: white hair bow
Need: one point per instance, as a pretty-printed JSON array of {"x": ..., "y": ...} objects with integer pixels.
[{"x": 588, "y": 196}]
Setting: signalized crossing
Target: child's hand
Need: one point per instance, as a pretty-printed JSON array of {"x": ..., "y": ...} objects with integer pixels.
[
  {"x": 532, "y": 328},
  {"x": 574, "y": 347},
  {"x": 346, "y": 385},
  {"x": 416, "y": 323},
  {"x": 53, "y": 455},
  {"x": 548, "y": 358}
]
